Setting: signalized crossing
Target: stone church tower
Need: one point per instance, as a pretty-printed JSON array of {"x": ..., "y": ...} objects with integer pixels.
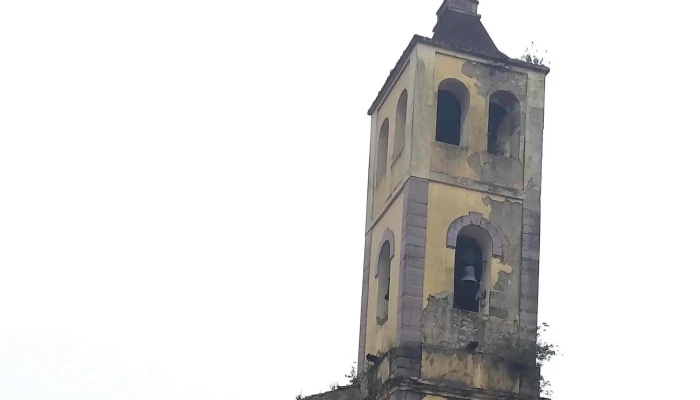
[{"x": 450, "y": 276}]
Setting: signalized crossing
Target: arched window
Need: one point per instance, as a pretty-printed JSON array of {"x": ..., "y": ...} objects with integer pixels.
[
  {"x": 400, "y": 123},
  {"x": 452, "y": 111},
  {"x": 475, "y": 241},
  {"x": 504, "y": 125},
  {"x": 383, "y": 282},
  {"x": 469, "y": 268},
  {"x": 382, "y": 148}
]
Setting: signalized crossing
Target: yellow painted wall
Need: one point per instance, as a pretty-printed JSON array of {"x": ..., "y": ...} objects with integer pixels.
[
  {"x": 445, "y": 204},
  {"x": 476, "y": 370},
  {"x": 396, "y": 167},
  {"x": 454, "y": 160},
  {"x": 379, "y": 338},
  {"x": 447, "y": 66},
  {"x": 444, "y": 158},
  {"x": 425, "y": 99}
]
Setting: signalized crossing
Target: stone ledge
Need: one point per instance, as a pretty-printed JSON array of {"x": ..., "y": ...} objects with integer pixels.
[
  {"x": 342, "y": 393},
  {"x": 442, "y": 389}
]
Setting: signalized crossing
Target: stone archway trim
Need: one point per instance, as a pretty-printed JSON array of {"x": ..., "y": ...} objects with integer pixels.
[
  {"x": 388, "y": 236},
  {"x": 475, "y": 218}
]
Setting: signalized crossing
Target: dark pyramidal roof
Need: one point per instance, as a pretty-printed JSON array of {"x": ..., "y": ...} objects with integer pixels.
[{"x": 463, "y": 29}]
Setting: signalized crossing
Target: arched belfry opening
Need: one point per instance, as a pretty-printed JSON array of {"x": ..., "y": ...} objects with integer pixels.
[
  {"x": 452, "y": 111},
  {"x": 475, "y": 242},
  {"x": 469, "y": 269},
  {"x": 400, "y": 123},
  {"x": 504, "y": 125},
  {"x": 382, "y": 149},
  {"x": 383, "y": 282}
]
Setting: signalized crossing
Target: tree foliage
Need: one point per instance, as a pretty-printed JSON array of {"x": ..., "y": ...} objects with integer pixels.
[
  {"x": 526, "y": 350},
  {"x": 352, "y": 375}
]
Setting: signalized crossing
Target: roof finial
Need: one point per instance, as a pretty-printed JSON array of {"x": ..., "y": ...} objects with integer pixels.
[{"x": 461, "y": 6}]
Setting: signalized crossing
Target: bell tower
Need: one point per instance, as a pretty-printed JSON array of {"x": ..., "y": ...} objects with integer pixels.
[{"x": 453, "y": 219}]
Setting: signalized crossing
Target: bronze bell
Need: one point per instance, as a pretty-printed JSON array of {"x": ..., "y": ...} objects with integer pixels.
[{"x": 469, "y": 276}]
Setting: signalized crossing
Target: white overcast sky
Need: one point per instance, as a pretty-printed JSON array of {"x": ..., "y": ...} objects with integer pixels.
[{"x": 182, "y": 192}]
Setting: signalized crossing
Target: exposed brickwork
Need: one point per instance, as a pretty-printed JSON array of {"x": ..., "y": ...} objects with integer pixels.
[
  {"x": 365, "y": 296},
  {"x": 475, "y": 218},
  {"x": 411, "y": 270}
]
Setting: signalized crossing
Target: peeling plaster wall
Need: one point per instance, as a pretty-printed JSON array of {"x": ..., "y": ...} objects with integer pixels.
[
  {"x": 447, "y": 203},
  {"x": 379, "y": 338},
  {"x": 470, "y": 160},
  {"x": 504, "y": 190},
  {"x": 397, "y": 165},
  {"x": 507, "y": 216},
  {"x": 451, "y": 328},
  {"x": 471, "y": 370}
]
